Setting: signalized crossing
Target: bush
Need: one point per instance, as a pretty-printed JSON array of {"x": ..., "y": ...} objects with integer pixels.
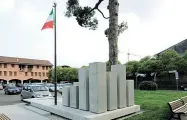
[{"x": 148, "y": 85}]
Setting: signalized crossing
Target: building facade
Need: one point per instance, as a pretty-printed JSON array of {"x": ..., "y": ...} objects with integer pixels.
[{"x": 23, "y": 70}]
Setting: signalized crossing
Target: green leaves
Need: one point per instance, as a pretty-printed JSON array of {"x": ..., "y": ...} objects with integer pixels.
[
  {"x": 121, "y": 28},
  {"x": 72, "y": 5},
  {"x": 132, "y": 66},
  {"x": 169, "y": 60},
  {"x": 84, "y": 15},
  {"x": 64, "y": 74}
]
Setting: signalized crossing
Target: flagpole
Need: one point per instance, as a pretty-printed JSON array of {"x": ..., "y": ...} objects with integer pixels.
[{"x": 55, "y": 55}]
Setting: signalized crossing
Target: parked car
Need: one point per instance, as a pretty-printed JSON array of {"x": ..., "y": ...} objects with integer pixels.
[
  {"x": 11, "y": 90},
  {"x": 35, "y": 91},
  {"x": 1, "y": 87},
  {"x": 184, "y": 87},
  {"x": 4, "y": 86}
]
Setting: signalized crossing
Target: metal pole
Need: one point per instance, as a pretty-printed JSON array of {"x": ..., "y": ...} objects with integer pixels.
[
  {"x": 136, "y": 82},
  {"x": 177, "y": 84},
  {"x": 55, "y": 76}
]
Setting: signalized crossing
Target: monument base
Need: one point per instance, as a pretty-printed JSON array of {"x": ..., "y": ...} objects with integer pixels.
[{"x": 47, "y": 104}]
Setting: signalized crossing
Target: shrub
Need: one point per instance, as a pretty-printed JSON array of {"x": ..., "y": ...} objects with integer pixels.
[{"x": 148, "y": 85}]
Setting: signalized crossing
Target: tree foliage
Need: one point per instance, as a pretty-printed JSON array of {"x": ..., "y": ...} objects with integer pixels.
[
  {"x": 167, "y": 61},
  {"x": 64, "y": 74},
  {"x": 85, "y": 16}
]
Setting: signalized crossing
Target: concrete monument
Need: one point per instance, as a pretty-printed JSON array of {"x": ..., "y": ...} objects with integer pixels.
[
  {"x": 97, "y": 87},
  {"x": 74, "y": 96},
  {"x": 111, "y": 90},
  {"x": 121, "y": 84},
  {"x": 83, "y": 89}
]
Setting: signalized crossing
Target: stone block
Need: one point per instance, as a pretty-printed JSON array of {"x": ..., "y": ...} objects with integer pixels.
[
  {"x": 83, "y": 89},
  {"x": 97, "y": 87},
  {"x": 76, "y": 83},
  {"x": 130, "y": 92},
  {"x": 66, "y": 96},
  {"x": 121, "y": 84},
  {"x": 111, "y": 90},
  {"x": 74, "y": 96}
]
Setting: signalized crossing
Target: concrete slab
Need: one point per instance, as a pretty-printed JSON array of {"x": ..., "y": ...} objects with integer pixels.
[
  {"x": 66, "y": 96},
  {"x": 130, "y": 92},
  {"x": 17, "y": 112},
  {"x": 76, "y": 83},
  {"x": 76, "y": 114},
  {"x": 111, "y": 90},
  {"x": 121, "y": 84},
  {"x": 37, "y": 110},
  {"x": 97, "y": 87},
  {"x": 83, "y": 89},
  {"x": 74, "y": 96}
]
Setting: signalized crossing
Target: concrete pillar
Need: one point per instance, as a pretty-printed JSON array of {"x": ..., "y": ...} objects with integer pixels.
[
  {"x": 97, "y": 87},
  {"x": 111, "y": 90},
  {"x": 121, "y": 84},
  {"x": 21, "y": 81},
  {"x": 66, "y": 96},
  {"x": 41, "y": 81},
  {"x": 7, "y": 81},
  {"x": 76, "y": 83},
  {"x": 74, "y": 96},
  {"x": 83, "y": 89},
  {"x": 130, "y": 93}
]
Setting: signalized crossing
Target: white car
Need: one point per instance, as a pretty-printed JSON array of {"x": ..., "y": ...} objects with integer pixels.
[
  {"x": 1, "y": 87},
  {"x": 35, "y": 91}
]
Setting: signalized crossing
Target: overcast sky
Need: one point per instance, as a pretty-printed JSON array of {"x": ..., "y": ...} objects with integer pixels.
[{"x": 154, "y": 25}]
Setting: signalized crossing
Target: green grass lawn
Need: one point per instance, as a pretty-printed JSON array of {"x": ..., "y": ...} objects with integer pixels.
[{"x": 155, "y": 103}]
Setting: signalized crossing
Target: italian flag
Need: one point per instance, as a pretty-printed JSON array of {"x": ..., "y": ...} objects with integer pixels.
[{"x": 49, "y": 21}]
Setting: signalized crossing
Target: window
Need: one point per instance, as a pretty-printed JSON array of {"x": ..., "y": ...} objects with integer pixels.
[
  {"x": 21, "y": 67},
  {"x": 43, "y": 67},
  {"x": 0, "y": 65},
  {"x": 15, "y": 73},
  {"x": 5, "y": 65},
  {"x": 46, "y": 67},
  {"x": 38, "y": 66},
  {"x": 43, "y": 73},
  {"x": 31, "y": 73},
  {"x": 30, "y": 67},
  {"x": 39, "y": 73},
  {"x": 25, "y": 73},
  {"x": 12, "y": 65},
  {"x": 47, "y": 74},
  {"x": 24, "y": 87},
  {"x": 10, "y": 73},
  {"x": 0, "y": 73},
  {"x": 5, "y": 73},
  {"x": 28, "y": 88},
  {"x": 35, "y": 73}
]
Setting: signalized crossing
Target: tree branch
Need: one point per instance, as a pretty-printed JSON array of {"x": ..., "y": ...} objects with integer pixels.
[
  {"x": 102, "y": 14},
  {"x": 96, "y": 6}
]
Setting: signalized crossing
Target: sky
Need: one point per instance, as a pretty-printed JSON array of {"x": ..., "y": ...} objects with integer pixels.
[{"x": 153, "y": 25}]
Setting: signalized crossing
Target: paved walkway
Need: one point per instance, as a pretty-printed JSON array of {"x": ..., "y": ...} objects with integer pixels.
[{"x": 17, "y": 112}]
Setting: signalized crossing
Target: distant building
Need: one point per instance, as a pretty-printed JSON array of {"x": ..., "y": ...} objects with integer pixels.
[
  {"x": 21, "y": 70},
  {"x": 180, "y": 48}
]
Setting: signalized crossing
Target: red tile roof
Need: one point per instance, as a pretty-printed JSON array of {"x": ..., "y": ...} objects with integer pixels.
[{"x": 25, "y": 61}]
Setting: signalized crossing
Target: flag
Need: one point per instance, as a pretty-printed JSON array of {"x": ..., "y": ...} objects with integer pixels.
[{"x": 49, "y": 21}]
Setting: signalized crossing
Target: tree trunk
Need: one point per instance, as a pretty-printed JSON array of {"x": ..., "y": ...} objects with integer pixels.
[{"x": 113, "y": 32}]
